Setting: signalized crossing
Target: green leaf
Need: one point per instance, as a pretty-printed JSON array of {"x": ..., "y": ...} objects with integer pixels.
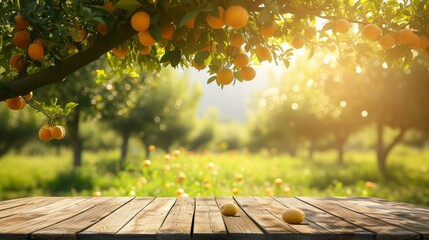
[
  {"x": 176, "y": 56},
  {"x": 128, "y": 5},
  {"x": 286, "y": 63},
  {"x": 211, "y": 79},
  {"x": 189, "y": 16},
  {"x": 69, "y": 106},
  {"x": 311, "y": 53},
  {"x": 200, "y": 57}
]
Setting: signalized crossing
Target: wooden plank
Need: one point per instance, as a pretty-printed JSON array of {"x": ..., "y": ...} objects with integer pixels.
[
  {"x": 178, "y": 223},
  {"x": 208, "y": 221},
  {"x": 339, "y": 228},
  {"x": 69, "y": 228},
  {"x": 382, "y": 229},
  {"x": 28, "y": 205},
  {"x": 13, "y": 203},
  {"x": 265, "y": 216},
  {"x": 147, "y": 222},
  {"x": 110, "y": 225},
  {"x": 12, "y": 222},
  {"x": 386, "y": 215},
  {"x": 239, "y": 226}
]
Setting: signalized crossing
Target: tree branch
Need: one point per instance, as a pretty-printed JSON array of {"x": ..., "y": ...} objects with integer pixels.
[{"x": 57, "y": 73}]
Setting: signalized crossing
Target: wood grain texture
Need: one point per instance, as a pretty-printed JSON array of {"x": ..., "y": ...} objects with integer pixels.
[
  {"x": 208, "y": 222},
  {"x": 28, "y": 204},
  {"x": 178, "y": 223}
]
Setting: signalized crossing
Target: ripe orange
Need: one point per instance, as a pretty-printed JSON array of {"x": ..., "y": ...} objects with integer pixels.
[
  {"x": 145, "y": 50},
  {"x": 248, "y": 73},
  {"x": 151, "y": 148},
  {"x": 16, "y": 103},
  {"x": 406, "y": 36},
  {"x": 237, "y": 40},
  {"x": 167, "y": 31},
  {"x": 424, "y": 42},
  {"x": 371, "y": 32},
  {"x": 342, "y": 26},
  {"x": 415, "y": 43},
  {"x": 140, "y": 21},
  {"x": 268, "y": 29},
  {"x": 21, "y": 24},
  {"x": 209, "y": 47},
  {"x": 216, "y": 22},
  {"x": 109, "y": 7},
  {"x": 45, "y": 133},
  {"x": 191, "y": 22},
  {"x": 28, "y": 96},
  {"x": 36, "y": 51},
  {"x": 102, "y": 28},
  {"x": 241, "y": 60},
  {"x": 387, "y": 41},
  {"x": 224, "y": 76},
  {"x": 17, "y": 62},
  {"x": 310, "y": 32},
  {"x": 21, "y": 39},
  {"x": 298, "y": 42},
  {"x": 78, "y": 34},
  {"x": 58, "y": 132},
  {"x": 146, "y": 39},
  {"x": 119, "y": 51},
  {"x": 236, "y": 17},
  {"x": 263, "y": 53},
  {"x": 197, "y": 66}
]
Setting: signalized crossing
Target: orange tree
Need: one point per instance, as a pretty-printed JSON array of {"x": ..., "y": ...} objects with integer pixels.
[{"x": 43, "y": 41}]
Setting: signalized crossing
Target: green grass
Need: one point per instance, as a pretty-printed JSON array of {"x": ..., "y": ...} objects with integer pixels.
[{"x": 215, "y": 174}]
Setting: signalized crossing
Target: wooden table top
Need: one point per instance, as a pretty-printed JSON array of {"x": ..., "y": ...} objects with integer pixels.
[{"x": 200, "y": 218}]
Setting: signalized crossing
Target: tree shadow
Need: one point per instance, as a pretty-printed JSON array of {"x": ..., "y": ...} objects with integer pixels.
[{"x": 68, "y": 182}]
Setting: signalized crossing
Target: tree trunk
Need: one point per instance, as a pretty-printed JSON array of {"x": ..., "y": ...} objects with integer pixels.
[
  {"x": 145, "y": 141},
  {"x": 382, "y": 150},
  {"x": 75, "y": 139},
  {"x": 311, "y": 149},
  {"x": 124, "y": 146},
  {"x": 340, "y": 139}
]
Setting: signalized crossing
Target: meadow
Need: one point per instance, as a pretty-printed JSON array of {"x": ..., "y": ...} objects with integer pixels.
[{"x": 229, "y": 173}]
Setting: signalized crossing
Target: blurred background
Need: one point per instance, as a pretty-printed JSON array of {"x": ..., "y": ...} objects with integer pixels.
[{"x": 314, "y": 129}]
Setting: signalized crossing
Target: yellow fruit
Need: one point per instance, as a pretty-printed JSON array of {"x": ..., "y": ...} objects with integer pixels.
[
  {"x": 146, "y": 39},
  {"x": 237, "y": 40},
  {"x": 229, "y": 209},
  {"x": 268, "y": 29},
  {"x": 224, "y": 76},
  {"x": 248, "y": 73},
  {"x": 406, "y": 36},
  {"x": 216, "y": 22},
  {"x": 310, "y": 32},
  {"x": 278, "y": 181},
  {"x": 371, "y": 32},
  {"x": 342, "y": 26},
  {"x": 263, "y": 53},
  {"x": 140, "y": 21},
  {"x": 387, "y": 41},
  {"x": 151, "y": 148},
  {"x": 293, "y": 216},
  {"x": 298, "y": 42},
  {"x": 36, "y": 51},
  {"x": 236, "y": 17},
  {"x": 241, "y": 60}
]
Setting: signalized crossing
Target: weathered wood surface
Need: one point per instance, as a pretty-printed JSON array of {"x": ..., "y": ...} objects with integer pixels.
[{"x": 200, "y": 218}]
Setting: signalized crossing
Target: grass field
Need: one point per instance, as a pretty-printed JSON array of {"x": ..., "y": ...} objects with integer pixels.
[{"x": 218, "y": 174}]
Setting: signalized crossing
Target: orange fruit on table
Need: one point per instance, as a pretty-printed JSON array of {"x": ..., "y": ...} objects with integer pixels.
[
  {"x": 17, "y": 62},
  {"x": 167, "y": 31},
  {"x": 78, "y": 34},
  {"x": 224, "y": 76},
  {"x": 236, "y": 17},
  {"x": 146, "y": 39},
  {"x": 342, "y": 26},
  {"x": 102, "y": 28},
  {"x": 371, "y": 32},
  {"x": 28, "y": 96},
  {"x": 21, "y": 39},
  {"x": 45, "y": 133},
  {"x": 387, "y": 41},
  {"x": 298, "y": 42},
  {"x": 248, "y": 73},
  {"x": 119, "y": 51},
  {"x": 268, "y": 29},
  {"x": 145, "y": 50},
  {"x": 241, "y": 60},
  {"x": 216, "y": 22},
  {"x": 36, "y": 51},
  {"x": 58, "y": 132},
  {"x": 191, "y": 22},
  {"x": 16, "y": 103},
  {"x": 237, "y": 40},
  {"x": 406, "y": 36},
  {"x": 140, "y": 21},
  {"x": 263, "y": 53},
  {"x": 310, "y": 32},
  {"x": 21, "y": 24}
]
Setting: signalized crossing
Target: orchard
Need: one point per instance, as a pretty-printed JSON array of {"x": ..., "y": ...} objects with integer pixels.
[{"x": 43, "y": 42}]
